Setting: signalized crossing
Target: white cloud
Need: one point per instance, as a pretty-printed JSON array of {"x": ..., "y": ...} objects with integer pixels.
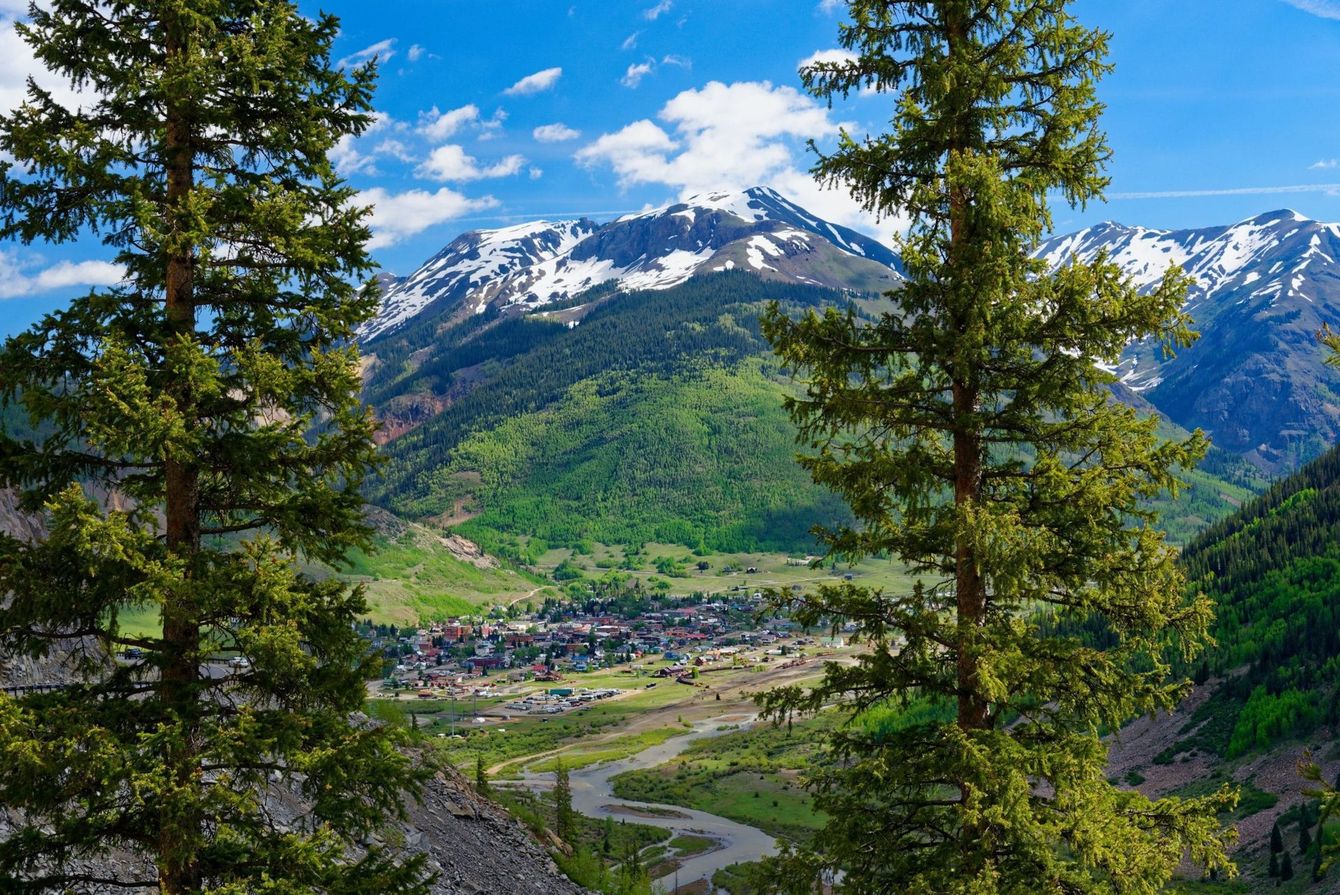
[
  {"x": 536, "y": 173},
  {"x": 493, "y": 127},
  {"x": 732, "y": 137},
  {"x": 398, "y": 216},
  {"x": 353, "y": 155},
  {"x": 1327, "y": 9},
  {"x": 630, "y": 42},
  {"x": 727, "y": 136},
  {"x": 438, "y": 126},
  {"x": 382, "y": 50},
  {"x": 1325, "y": 164},
  {"x": 450, "y": 162},
  {"x": 16, "y": 281},
  {"x": 639, "y": 153},
  {"x": 1330, "y": 189},
  {"x": 415, "y": 53},
  {"x": 677, "y": 61},
  {"x": 17, "y": 64},
  {"x": 80, "y": 273},
  {"x": 557, "y": 132},
  {"x": 828, "y": 7},
  {"x": 834, "y": 55},
  {"x": 655, "y": 12},
  {"x": 636, "y": 72},
  {"x": 348, "y": 160},
  {"x": 536, "y": 83},
  {"x": 394, "y": 148}
]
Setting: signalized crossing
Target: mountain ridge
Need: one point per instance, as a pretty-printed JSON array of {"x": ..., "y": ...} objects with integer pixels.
[
  {"x": 1256, "y": 381},
  {"x": 471, "y": 375},
  {"x": 528, "y": 266}
]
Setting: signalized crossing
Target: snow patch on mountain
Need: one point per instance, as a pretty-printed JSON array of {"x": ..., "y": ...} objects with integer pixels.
[
  {"x": 1261, "y": 263},
  {"x": 475, "y": 260},
  {"x": 531, "y": 265},
  {"x": 1272, "y": 247}
]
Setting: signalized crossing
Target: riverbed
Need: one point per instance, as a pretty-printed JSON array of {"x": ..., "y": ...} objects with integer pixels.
[{"x": 593, "y": 795}]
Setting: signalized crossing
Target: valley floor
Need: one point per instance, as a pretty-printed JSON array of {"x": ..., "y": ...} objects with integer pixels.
[{"x": 635, "y": 747}]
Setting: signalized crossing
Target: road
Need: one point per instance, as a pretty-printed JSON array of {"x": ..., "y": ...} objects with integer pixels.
[
  {"x": 515, "y": 600},
  {"x": 593, "y": 795}
]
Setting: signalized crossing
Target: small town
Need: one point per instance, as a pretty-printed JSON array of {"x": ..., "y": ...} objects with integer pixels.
[{"x": 683, "y": 641}]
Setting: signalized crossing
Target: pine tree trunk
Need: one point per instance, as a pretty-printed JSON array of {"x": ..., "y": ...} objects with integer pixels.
[
  {"x": 970, "y": 590},
  {"x": 179, "y": 824},
  {"x": 973, "y": 711}
]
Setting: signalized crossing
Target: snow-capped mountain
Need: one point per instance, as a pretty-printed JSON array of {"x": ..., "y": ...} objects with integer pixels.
[
  {"x": 1255, "y": 381},
  {"x": 1277, "y": 250},
  {"x": 475, "y": 267},
  {"x": 531, "y": 265}
]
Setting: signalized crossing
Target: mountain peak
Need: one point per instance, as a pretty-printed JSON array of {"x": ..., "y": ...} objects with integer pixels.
[
  {"x": 523, "y": 267},
  {"x": 1279, "y": 221},
  {"x": 1261, "y": 288},
  {"x": 747, "y": 204},
  {"x": 1279, "y": 216}
]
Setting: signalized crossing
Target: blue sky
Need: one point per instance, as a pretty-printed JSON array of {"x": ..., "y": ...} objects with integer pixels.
[{"x": 500, "y": 111}]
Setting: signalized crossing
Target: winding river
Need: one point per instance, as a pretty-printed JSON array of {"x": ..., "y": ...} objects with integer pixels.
[{"x": 593, "y": 795}]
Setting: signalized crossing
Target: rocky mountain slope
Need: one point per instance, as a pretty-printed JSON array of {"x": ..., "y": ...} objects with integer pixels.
[
  {"x": 531, "y": 265},
  {"x": 13, "y": 521},
  {"x": 1256, "y": 381},
  {"x": 473, "y": 846}
]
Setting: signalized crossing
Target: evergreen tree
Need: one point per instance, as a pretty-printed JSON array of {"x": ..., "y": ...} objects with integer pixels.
[
  {"x": 1274, "y": 869},
  {"x": 633, "y": 878},
  {"x": 975, "y": 437},
  {"x": 481, "y": 775},
  {"x": 607, "y": 838},
  {"x": 1286, "y": 867},
  {"x": 200, "y": 436},
  {"x": 1304, "y": 836},
  {"x": 1327, "y": 805},
  {"x": 1276, "y": 838},
  {"x": 563, "y": 819},
  {"x": 632, "y": 861}
]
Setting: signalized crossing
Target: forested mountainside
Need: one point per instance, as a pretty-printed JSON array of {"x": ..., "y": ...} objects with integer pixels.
[
  {"x": 1273, "y": 570},
  {"x": 659, "y": 417},
  {"x": 1267, "y": 695},
  {"x": 1255, "y": 382}
]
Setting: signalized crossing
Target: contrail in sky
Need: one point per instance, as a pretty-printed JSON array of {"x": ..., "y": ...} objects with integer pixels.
[{"x": 1333, "y": 188}]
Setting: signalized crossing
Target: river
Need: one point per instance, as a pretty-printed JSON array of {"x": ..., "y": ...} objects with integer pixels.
[{"x": 593, "y": 795}]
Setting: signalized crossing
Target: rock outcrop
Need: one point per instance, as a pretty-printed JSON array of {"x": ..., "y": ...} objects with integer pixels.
[{"x": 475, "y": 847}]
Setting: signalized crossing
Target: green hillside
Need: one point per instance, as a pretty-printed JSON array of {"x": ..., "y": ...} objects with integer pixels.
[
  {"x": 1274, "y": 572},
  {"x": 658, "y": 418},
  {"x": 415, "y": 577},
  {"x": 699, "y": 456}
]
